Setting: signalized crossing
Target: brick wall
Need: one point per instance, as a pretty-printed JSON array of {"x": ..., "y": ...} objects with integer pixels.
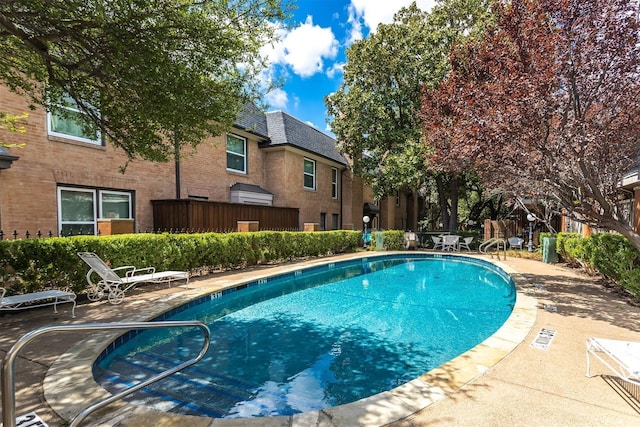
[{"x": 28, "y": 190}]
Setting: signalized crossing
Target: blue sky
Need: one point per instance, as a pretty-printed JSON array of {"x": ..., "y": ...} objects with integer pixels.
[{"x": 311, "y": 55}]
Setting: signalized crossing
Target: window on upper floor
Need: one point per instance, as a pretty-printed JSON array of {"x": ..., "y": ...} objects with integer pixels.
[
  {"x": 236, "y": 154},
  {"x": 397, "y": 198},
  {"x": 334, "y": 183},
  {"x": 309, "y": 174},
  {"x": 80, "y": 208},
  {"x": 71, "y": 123}
]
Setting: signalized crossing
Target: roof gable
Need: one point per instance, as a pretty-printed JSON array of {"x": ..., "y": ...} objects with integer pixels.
[
  {"x": 287, "y": 130},
  {"x": 253, "y": 120}
]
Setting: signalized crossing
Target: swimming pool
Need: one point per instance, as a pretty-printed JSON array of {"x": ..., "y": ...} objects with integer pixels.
[{"x": 369, "y": 324}]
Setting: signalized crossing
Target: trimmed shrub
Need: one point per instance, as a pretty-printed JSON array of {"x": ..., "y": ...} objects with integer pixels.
[
  {"x": 611, "y": 255},
  {"x": 33, "y": 264}
]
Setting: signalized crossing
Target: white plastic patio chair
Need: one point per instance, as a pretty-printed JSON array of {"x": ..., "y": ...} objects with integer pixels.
[
  {"x": 410, "y": 240},
  {"x": 437, "y": 242},
  {"x": 621, "y": 357},
  {"x": 114, "y": 282},
  {"x": 516, "y": 242},
  {"x": 465, "y": 243}
]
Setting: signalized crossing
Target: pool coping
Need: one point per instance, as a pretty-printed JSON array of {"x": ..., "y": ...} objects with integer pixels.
[{"x": 68, "y": 390}]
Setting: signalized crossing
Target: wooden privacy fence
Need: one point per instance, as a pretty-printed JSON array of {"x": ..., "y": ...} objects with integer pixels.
[
  {"x": 502, "y": 229},
  {"x": 205, "y": 215}
]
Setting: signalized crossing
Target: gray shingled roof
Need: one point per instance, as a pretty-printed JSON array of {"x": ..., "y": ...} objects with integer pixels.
[
  {"x": 253, "y": 120},
  {"x": 240, "y": 186},
  {"x": 287, "y": 130}
]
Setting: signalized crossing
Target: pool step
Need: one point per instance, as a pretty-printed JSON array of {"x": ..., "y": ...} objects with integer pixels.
[{"x": 204, "y": 393}]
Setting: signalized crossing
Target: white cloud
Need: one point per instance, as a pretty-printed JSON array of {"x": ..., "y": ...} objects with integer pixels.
[
  {"x": 355, "y": 33},
  {"x": 328, "y": 129},
  {"x": 336, "y": 68},
  {"x": 304, "y": 49},
  {"x": 374, "y": 12},
  {"x": 277, "y": 98}
]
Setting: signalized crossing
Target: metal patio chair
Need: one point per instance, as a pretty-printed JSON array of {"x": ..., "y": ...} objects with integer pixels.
[{"x": 114, "y": 282}]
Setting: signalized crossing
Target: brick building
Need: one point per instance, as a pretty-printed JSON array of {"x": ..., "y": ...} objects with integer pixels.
[{"x": 66, "y": 179}]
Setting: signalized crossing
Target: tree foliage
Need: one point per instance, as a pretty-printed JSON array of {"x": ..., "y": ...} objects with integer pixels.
[
  {"x": 374, "y": 114},
  {"x": 148, "y": 73},
  {"x": 545, "y": 105},
  {"x": 12, "y": 123}
]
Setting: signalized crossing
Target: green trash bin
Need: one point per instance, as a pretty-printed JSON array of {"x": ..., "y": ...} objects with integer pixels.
[
  {"x": 549, "y": 254},
  {"x": 379, "y": 238}
]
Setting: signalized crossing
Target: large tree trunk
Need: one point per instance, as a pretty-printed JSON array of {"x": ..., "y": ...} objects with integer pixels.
[
  {"x": 454, "y": 186},
  {"x": 442, "y": 197}
]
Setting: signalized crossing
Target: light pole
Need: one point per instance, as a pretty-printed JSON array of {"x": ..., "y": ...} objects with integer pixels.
[
  {"x": 531, "y": 218},
  {"x": 366, "y": 220}
]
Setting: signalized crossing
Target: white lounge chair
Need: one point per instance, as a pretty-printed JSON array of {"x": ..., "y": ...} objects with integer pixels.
[
  {"x": 35, "y": 299},
  {"x": 621, "y": 357},
  {"x": 116, "y": 281}
]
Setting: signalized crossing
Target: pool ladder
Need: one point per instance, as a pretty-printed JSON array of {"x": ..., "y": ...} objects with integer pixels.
[
  {"x": 494, "y": 242},
  {"x": 8, "y": 378}
]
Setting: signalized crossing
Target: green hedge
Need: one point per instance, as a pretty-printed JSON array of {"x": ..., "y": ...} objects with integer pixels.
[
  {"x": 612, "y": 255},
  {"x": 33, "y": 264},
  {"x": 393, "y": 240}
]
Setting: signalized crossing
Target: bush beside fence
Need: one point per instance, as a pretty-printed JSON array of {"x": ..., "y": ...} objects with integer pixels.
[
  {"x": 30, "y": 265},
  {"x": 611, "y": 255}
]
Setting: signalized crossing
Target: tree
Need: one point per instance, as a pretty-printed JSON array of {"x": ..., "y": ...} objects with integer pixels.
[
  {"x": 374, "y": 114},
  {"x": 12, "y": 123},
  {"x": 544, "y": 105},
  {"x": 148, "y": 74}
]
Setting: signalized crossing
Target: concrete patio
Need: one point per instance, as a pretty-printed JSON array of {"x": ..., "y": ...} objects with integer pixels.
[{"x": 527, "y": 386}]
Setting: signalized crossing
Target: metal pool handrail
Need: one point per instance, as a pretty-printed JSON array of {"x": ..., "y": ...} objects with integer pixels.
[
  {"x": 8, "y": 378},
  {"x": 497, "y": 242}
]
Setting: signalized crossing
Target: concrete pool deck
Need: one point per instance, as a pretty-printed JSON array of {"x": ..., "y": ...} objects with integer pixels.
[{"x": 502, "y": 382}]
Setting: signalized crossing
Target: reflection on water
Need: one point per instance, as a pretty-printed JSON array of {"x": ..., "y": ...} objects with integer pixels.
[{"x": 292, "y": 346}]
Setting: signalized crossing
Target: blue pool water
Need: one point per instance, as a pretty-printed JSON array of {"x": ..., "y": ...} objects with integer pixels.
[{"x": 317, "y": 338}]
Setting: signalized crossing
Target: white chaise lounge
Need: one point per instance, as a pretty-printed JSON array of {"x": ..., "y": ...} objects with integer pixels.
[
  {"x": 36, "y": 299},
  {"x": 621, "y": 357},
  {"x": 114, "y": 282}
]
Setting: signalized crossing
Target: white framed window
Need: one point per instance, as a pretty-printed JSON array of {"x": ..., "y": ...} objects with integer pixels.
[
  {"x": 397, "y": 197},
  {"x": 114, "y": 204},
  {"x": 73, "y": 124},
  {"x": 236, "y": 154},
  {"x": 334, "y": 183},
  {"x": 76, "y": 211},
  {"x": 309, "y": 174},
  {"x": 80, "y": 208}
]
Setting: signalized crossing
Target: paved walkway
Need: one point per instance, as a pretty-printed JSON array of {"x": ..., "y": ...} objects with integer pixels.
[
  {"x": 533, "y": 387},
  {"x": 529, "y": 387}
]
